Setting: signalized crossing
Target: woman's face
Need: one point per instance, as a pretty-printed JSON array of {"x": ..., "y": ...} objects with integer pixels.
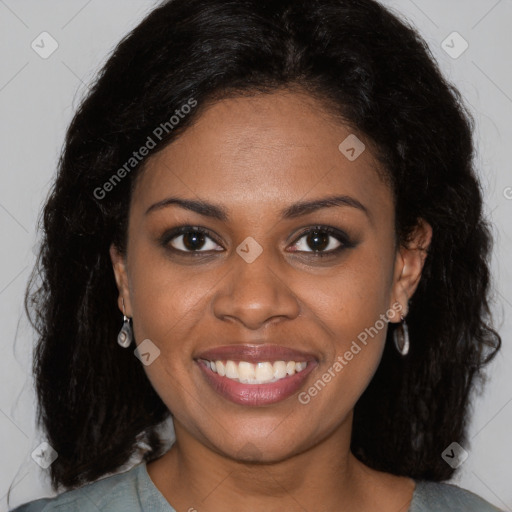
[{"x": 258, "y": 278}]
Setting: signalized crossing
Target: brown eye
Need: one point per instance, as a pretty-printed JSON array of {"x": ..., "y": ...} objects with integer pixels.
[
  {"x": 193, "y": 240},
  {"x": 320, "y": 240},
  {"x": 189, "y": 239}
]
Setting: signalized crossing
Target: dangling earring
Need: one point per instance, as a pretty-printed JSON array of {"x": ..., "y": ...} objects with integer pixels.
[
  {"x": 401, "y": 337},
  {"x": 125, "y": 336}
]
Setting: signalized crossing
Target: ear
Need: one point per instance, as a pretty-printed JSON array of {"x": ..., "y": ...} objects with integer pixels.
[
  {"x": 409, "y": 263},
  {"x": 121, "y": 275}
]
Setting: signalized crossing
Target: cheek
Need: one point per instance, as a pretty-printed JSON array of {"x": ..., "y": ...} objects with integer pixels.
[
  {"x": 353, "y": 306},
  {"x": 352, "y": 298},
  {"x": 166, "y": 298}
]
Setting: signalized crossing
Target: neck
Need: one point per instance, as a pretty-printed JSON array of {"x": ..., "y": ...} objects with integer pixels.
[{"x": 324, "y": 477}]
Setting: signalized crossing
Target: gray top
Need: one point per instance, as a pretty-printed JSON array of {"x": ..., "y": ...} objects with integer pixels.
[{"x": 134, "y": 491}]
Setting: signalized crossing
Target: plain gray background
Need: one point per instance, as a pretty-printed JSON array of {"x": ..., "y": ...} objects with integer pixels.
[{"x": 38, "y": 98}]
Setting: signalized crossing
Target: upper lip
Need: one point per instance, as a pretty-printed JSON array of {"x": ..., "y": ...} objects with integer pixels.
[{"x": 255, "y": 353}]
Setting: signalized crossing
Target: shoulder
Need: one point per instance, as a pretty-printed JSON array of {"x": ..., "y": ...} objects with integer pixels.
[
  {"x": 116, "y": 492},
  {"x": 440, "y": 497}
]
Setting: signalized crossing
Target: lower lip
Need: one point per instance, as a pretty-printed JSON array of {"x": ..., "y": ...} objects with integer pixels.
[{"x": 256, "y": 394}]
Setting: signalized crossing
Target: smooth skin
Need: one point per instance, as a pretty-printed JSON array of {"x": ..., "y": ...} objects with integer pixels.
[{"x": 254, "y": 157}]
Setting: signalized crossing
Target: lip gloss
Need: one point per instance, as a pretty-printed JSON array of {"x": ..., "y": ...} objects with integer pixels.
[{"x": 255, "y": 394}]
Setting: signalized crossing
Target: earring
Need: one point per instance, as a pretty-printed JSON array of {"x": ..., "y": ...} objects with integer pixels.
[
  {"x": 125, "y": 336},
  {"x": 401, "y": 337}
]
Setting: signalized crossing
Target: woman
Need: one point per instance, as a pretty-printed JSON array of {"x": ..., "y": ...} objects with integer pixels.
[{"x": 272, "y": 207}]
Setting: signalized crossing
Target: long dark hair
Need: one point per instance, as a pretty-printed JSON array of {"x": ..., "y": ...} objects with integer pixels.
[{"x": 371, "y": 70}]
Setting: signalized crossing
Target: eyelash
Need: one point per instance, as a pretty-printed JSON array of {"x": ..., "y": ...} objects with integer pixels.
[{"x": 340, "y": 236}]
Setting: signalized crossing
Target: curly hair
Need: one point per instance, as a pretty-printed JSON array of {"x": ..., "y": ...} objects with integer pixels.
[{"x": 374, "y": 72}]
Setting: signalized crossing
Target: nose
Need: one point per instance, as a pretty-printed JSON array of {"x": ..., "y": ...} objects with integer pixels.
[{"x": 255, "y": 294}]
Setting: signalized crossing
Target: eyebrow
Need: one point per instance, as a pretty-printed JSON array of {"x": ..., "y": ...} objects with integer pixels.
[{"x": 291, "y": 212}]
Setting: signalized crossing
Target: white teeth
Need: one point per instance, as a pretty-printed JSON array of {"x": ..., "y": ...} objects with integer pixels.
[
  {"x": 259, "y": 373},
  {"x": 290, "y": 367},
  {"x": 231, "y": 370},
  {"x": 246, "y": 372},
  {"x": 279, "y": 369},
  {"x": 264, "y": 372},
  {"x": 220, "y": 368}
]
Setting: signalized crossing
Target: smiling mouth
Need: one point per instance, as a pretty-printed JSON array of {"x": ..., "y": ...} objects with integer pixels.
[
  {"x": 263, "y": 372},
  {"x": 255, "y": 375}
]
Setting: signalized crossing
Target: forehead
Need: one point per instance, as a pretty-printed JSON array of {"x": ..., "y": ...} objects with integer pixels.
[{"x": 261, "y": 151}]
